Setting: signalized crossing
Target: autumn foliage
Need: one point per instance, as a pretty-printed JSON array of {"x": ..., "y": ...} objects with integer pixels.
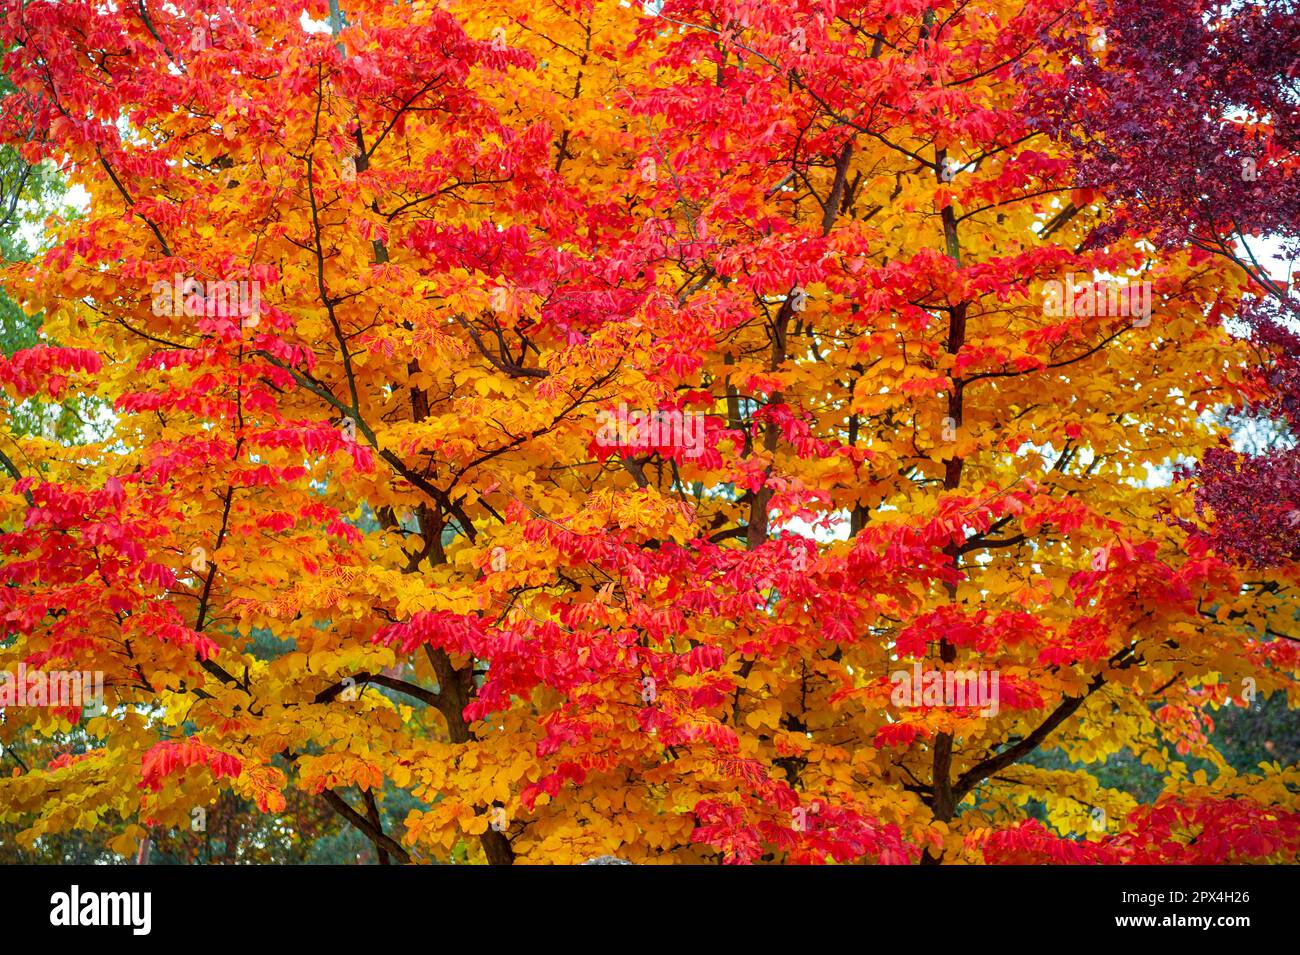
[{"x": 356, "y": 305}]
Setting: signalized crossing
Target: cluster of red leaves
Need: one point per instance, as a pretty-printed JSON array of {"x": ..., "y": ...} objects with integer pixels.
[
  {"x": 45, "y": 368},
  {"x": 167, "y": 758},
  {"x": 1203, "y": 832}
]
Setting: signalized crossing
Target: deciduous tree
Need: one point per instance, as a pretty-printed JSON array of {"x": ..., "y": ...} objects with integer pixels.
[{"x": 583, "y": 417}]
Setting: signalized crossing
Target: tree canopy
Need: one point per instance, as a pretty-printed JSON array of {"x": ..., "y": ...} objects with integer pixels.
[{"x": 572, "y": 424}]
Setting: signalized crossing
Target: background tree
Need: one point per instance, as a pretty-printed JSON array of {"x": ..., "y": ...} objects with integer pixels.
[{"x": 1188, "y": 119}]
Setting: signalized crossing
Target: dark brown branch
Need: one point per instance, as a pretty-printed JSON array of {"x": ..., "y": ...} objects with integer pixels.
[{"x": 381, "y": 841}]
